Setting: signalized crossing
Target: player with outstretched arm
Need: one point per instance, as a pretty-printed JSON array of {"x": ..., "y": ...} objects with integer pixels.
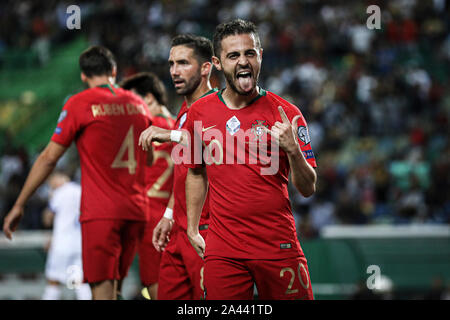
[{"x": 181, "y": 269}]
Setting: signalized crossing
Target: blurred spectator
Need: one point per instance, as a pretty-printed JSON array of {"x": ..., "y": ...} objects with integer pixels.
[{"x": 411, "y": 203}]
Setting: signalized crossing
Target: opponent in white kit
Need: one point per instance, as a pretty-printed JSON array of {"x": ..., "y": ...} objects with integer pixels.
[{"x": 64, "y": 266}]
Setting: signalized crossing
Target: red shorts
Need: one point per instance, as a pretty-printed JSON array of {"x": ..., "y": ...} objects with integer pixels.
[
  {"x": 108, "y": 248},
  {"x": 181, "y": 268},
  {"x": 234, "y": 279},
  {"x": 149, "y": 258}
]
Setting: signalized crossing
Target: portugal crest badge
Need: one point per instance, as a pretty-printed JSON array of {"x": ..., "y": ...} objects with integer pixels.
[{"x": 257, "y": 129}]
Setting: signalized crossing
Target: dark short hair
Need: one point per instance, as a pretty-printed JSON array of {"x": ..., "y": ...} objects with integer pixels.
[
  {"x": 203, "y": 49},
  {"x": 97, "y": 61},
  {"x": 146, "y": 82},
  {"x": 234, "y": 27}
]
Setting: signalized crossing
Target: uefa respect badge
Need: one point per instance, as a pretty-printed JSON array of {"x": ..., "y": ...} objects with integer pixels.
[{"x": 233, "y": 125}]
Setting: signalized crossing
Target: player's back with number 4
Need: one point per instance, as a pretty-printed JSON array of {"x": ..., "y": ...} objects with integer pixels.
[{"x": 105, "y": 122}]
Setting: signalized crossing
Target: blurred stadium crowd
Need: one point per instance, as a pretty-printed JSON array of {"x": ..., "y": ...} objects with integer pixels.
[{"x": 377, "y": 101}]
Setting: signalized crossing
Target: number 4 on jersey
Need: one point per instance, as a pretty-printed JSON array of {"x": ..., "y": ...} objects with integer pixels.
[{"x": 127, "y": 146}]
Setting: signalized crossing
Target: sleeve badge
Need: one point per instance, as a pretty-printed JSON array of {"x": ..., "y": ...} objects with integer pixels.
[{"x": 303, "y": 135}]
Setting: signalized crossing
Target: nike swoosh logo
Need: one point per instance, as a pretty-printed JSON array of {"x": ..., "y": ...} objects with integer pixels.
[{"x": 205, "y": 129}]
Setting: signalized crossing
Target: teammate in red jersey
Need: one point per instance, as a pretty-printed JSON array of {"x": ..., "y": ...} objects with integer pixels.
[
  {"x": 181, "y": 268},
  {"x": 160, "y": 174},
  {"x": 104, "y": 121},
  {"x": 252, "y": 237}
]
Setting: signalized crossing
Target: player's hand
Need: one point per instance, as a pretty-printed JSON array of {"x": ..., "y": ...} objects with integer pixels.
[
  {"x": 197, "y": 242},
  {"x": 12, "y": 220},
  {"x": 152, "y": 134},
  {"x": 285, "y": 132},
  {"x": 161, "y": 234}
]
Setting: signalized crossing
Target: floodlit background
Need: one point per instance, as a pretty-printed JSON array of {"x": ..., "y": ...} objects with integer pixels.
[{"x": 377, "y": 103}]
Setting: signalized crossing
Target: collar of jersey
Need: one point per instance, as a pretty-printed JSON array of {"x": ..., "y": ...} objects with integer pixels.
[
  {"x": 107, "y": 85},
  {"x": 209, "y": 92},
  {"x": 261, "y": 93},
  {"x": 161, "y": 115}
]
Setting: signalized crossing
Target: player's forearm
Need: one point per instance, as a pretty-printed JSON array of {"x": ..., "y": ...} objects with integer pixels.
[
  {"x": 302, "y": 173},
  {"x": 196, "y": 189},
  {"x": 168, "y": 213},
  {"x": 171, "y": 201},
  {"x": 182, "y": 134},
  {"x": 39, "y": 172},
  {"x": 161, "y": 135}
]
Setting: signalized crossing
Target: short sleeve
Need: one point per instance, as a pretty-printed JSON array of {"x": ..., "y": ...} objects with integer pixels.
[
  {"x": 69, "y": 123},
  {"x": 304, "y": 141},
  {"x": 303, "y": 137}
]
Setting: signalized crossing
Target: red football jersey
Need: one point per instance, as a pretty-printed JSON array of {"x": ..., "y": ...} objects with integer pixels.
[
  {"x": 250, "y": 213},
  {"x": 179, "y": 182},
  {"x": 160, "y": 173},
  {"x": 105, "y": 124}
]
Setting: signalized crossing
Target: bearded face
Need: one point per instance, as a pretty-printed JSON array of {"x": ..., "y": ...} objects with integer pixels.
[
  {"x": 241, "y": 62},
  {"x": 184, "y": 70}
]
